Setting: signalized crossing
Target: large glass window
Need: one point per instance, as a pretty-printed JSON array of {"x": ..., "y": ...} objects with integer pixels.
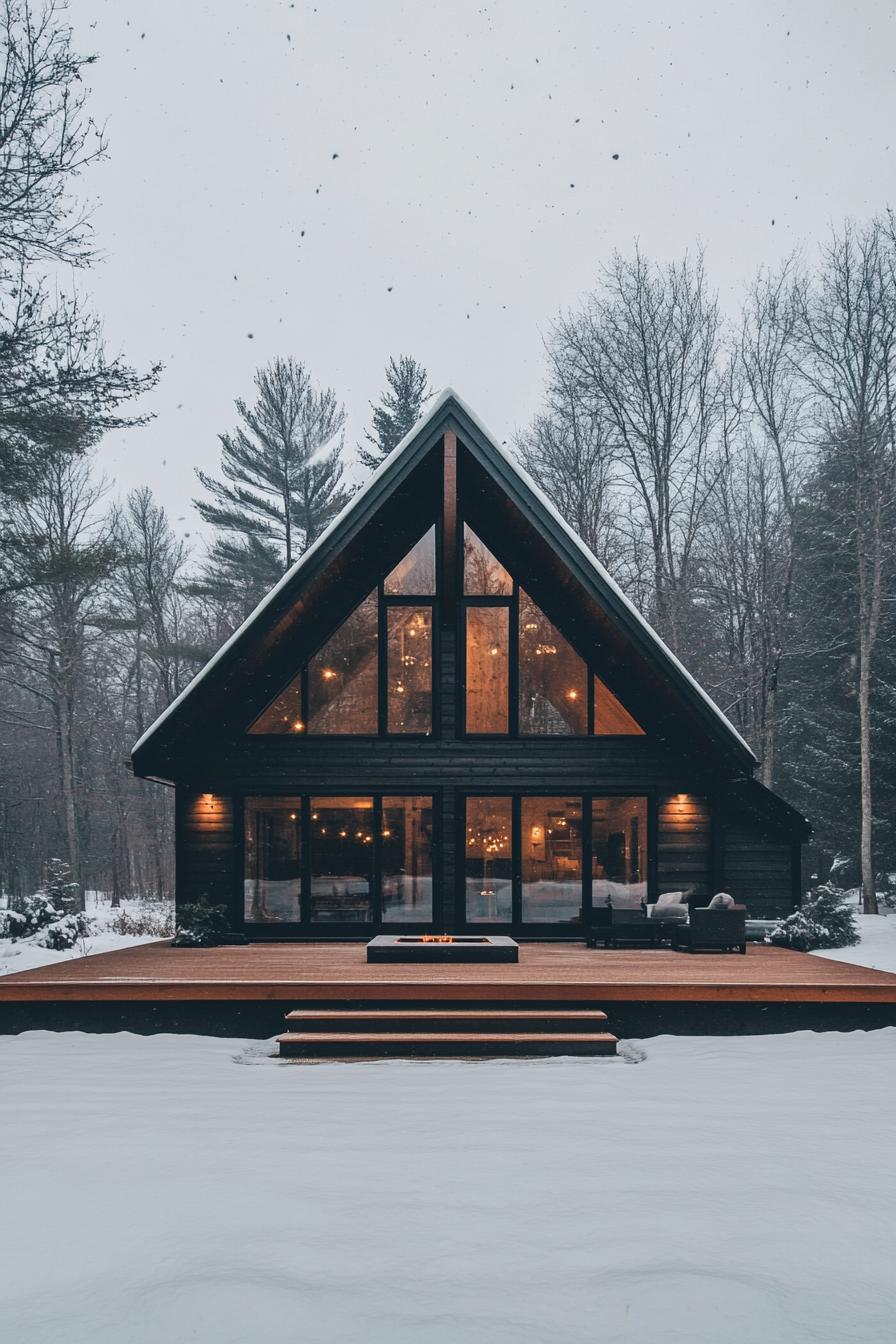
[
  {"x": 415, "y": 575},
  {"x": 619, "y": 851},
  {"x": 409, "y": 670},
  {"x": 551, "y": 855},
  {"x": 553, "y": 680},
  {"x": 284, "y": 715},
  {"x": 272, "y": 880},
  {"x": 611, "y": 718},
  {"x": 342, "y": 676},
  {"x": 488, "y": 860},
  {"x": 406, "y": 848},
  {"x": 342, "y": 851},
  {"x": 484, "y": 576},
  {"x": 488, "y": 669}
]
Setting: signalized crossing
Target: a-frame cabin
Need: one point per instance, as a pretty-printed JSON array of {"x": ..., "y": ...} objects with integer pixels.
[{"x": 446, "y": 716}]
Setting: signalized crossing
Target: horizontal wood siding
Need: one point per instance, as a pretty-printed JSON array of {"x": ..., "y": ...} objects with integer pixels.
[
  {"x": 353, "y": 764},
  {"x": 759, "y": 869},
  {"x": 206, "y": 848},
  {"x": 684, "y": 846}
]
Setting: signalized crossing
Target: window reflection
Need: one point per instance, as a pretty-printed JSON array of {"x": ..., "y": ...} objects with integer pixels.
[
  {"x": 415, "y": 575},
  {"x": 611, "y": 718},
  {"x": 484, "y": 576},
  {"x": 619, "y": 851},
  {"x": 342, "y": 676},
  {"x": 487, "y": 658},
  {"x": 284, "y": 715},
  {"x": 342, "y": 851},
  {"x": 553, "y": 679},
  {"x": 488, "y": 860},
  {"x": 407, "y": 860},
  {"x": 272, "y": 881},
  {"x": 551, "y": 854},
  {"x": 409, "y": 675}
]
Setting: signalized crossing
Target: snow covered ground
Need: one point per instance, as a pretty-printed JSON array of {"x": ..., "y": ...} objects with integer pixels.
[
  {"x": 156, "y": 1189},
  {"x": 23, "y": 954},
  {"x": 877, "y": 948}
]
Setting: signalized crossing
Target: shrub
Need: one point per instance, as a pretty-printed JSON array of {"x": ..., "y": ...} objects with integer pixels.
[
  {"x": 200, "y": 925},
  {"x": 153, "y": 923},
  {"x": 825, "y": 919},
  {"x": 64, "y": 933}
]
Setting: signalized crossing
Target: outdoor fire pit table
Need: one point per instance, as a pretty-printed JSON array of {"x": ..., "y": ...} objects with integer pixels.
[{"x": 459, "y": 947}]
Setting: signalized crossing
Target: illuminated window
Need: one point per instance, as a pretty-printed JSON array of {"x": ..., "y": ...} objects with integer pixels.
[
  {"x": 553, "y": 680},
  {"x": 488, "y": 860},
  {"x": 284, "y": 715},
  {"x": 406, "y": 847},
  {"x": 342, "y": 676},
  {"x": 272, "y": 883},
  {"x": 342, "y": 857},
  {"x": 409, "y": 672},
  {"x": 484, "y": 576},
  {"x": 611, "y": 718},
  {"x": 618, "y": 851},
  {"x": 488, "y": 669},
  {"x": 415, "y": 575},
  {"x": 551, "y": 857}
]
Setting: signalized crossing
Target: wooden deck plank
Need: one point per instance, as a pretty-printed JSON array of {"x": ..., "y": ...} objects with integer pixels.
[{"x": 319, "y": 972}]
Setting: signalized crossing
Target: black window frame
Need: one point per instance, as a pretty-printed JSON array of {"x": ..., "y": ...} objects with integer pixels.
[
  {"x": 324, "y": 929},
  {"x": 517, "y": 927}
]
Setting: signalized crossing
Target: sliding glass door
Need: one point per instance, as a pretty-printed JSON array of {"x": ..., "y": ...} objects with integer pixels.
[
  {"x": 538, "y": 861},
  {"x": 329, "y": 863}
]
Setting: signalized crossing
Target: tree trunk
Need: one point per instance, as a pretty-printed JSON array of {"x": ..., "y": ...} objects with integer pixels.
[{"x": 869, "y": 893}]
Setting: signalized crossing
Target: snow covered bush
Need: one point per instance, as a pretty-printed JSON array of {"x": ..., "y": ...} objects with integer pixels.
[
  {"x": 825, "y": 919},
  {"x": 200, "y": 925},
  {"x": 64, "y": 933},
  {"x": 155, "y": 923},
  {"x": 55, "y": 904}
]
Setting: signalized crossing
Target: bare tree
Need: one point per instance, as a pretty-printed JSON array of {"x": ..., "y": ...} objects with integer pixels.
[
  {"x": 643, "y": 354},
  {"x": 567, "y": 452},
  {"x": 847, "y": 331},
  {"x": 65, "y": 553}
]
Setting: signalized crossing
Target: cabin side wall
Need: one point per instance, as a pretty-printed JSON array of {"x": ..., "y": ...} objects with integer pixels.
[
  {"x": 760, "y": 868},
  {"x": 206, "y": 849},
  {"x": 684, "y": 846}
]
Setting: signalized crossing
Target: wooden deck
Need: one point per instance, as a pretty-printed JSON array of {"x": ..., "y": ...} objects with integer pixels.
[{"x": 547, "y": 972}]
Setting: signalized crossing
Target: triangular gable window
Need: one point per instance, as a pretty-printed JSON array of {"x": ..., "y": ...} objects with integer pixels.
[
  {"x": 343, "y": 678},
  {"x": 552, "y": 677},
  {"x": 415, "y": 575},
  {"x": 342, "y": 684},
  {"x": 611, "y": 718},
  {"x": 484, "y": 576}
]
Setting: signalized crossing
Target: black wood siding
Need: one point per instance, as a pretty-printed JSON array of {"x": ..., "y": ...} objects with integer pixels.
[
  {"x": 761, "y": 868},
  {"x": 206, "y": 849},
  {"x": 684, "y": 846}
]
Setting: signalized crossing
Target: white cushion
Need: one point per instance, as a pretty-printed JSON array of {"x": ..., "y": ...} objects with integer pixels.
[
  {"x": 671, "y": 911},
  {"x": 721, "y": 901},
  {"x": 670, "y": 898}
]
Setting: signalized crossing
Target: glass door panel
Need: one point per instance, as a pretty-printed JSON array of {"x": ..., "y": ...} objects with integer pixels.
[
  {"x": 342, "y": 852},
  {"x": 551, "y": 859},
  {"x": 488, "y": 860},
  {"x": 272, "y": 874},
  {"x": 406, "y": 864}
]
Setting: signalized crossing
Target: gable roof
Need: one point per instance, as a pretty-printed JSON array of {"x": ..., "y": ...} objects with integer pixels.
[{"x": 448, "y": 410}]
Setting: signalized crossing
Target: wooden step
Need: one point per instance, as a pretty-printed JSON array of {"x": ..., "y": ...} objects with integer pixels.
[
  {"x": 366, "y": 1044},
  {"x": 447, "y": 1019}
]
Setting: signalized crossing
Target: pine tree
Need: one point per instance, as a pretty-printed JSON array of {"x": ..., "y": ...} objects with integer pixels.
[
  {"x": 282, "y": 466},
  {"x": 398, "y": 411}
]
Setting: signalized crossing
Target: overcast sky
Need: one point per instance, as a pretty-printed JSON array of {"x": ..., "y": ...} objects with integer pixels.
[{"x": 342, "y": 182}]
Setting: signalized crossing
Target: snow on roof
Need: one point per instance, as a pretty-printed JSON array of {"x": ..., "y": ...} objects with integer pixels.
[{"x": 436, "y": 406}]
